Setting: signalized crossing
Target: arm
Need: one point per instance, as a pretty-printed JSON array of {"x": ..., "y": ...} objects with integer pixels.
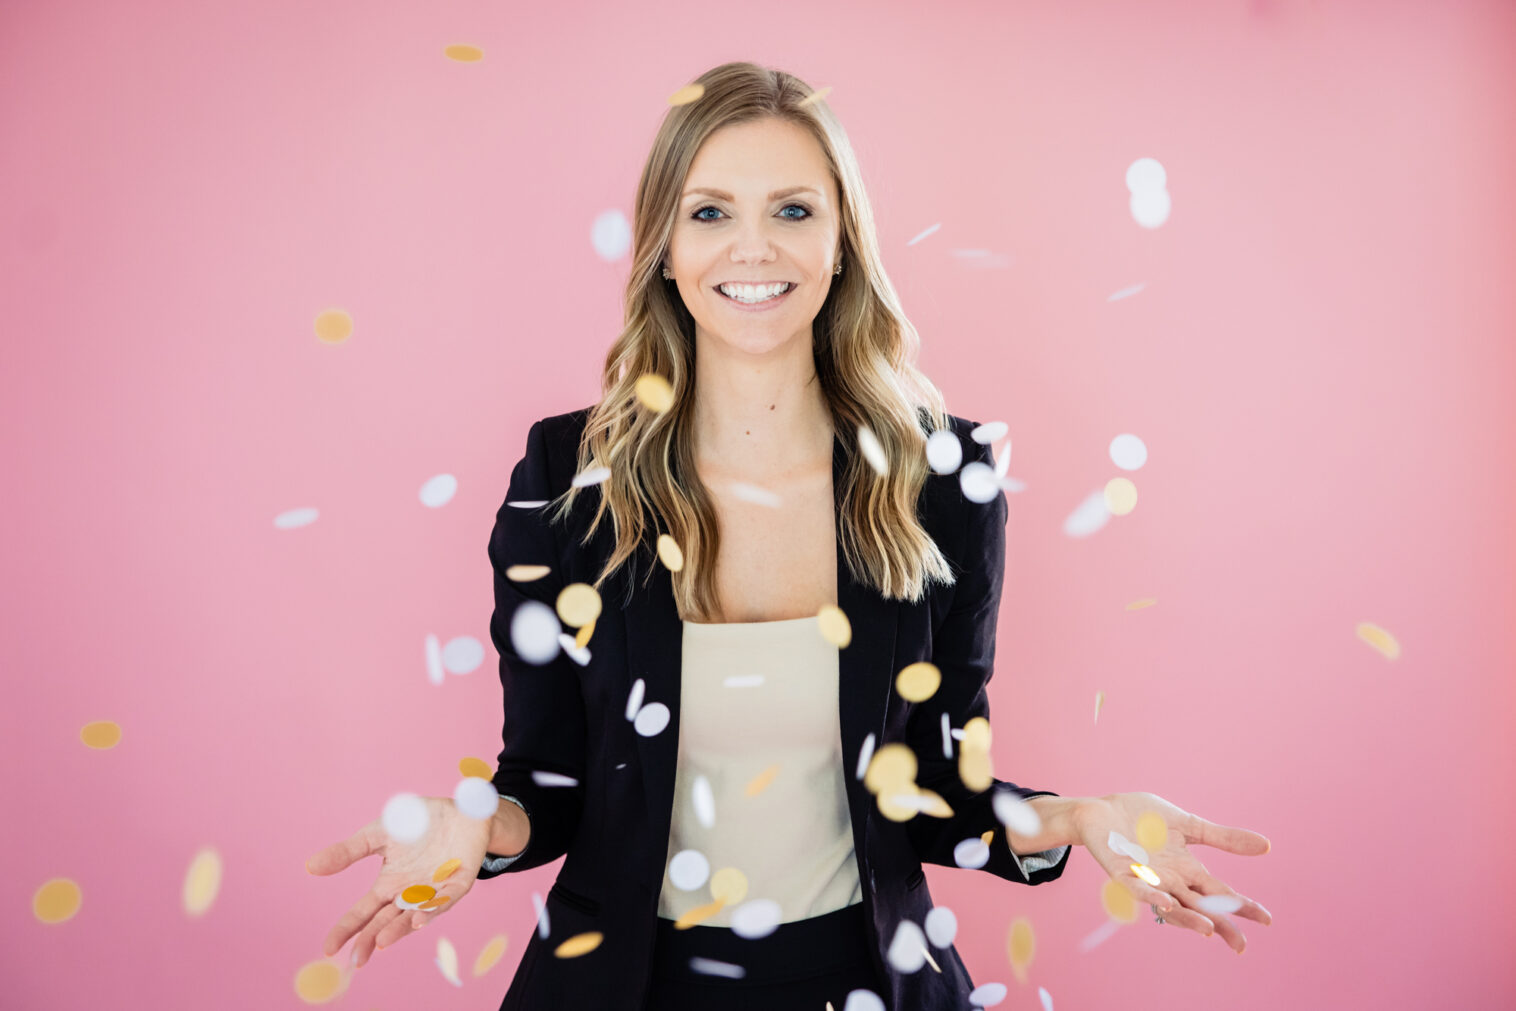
[
  {"x": 964, "y": 650},
  {"x": 543, "y": 726}
]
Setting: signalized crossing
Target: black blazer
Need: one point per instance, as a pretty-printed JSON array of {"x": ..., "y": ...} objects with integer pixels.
[{"x": 613, "y": 826}]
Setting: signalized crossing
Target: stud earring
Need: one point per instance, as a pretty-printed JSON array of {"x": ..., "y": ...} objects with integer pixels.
[{"x": 668, "y": 275}]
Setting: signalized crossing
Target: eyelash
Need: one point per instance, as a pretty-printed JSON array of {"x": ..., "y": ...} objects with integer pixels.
[{"x": 712, "y": 207}]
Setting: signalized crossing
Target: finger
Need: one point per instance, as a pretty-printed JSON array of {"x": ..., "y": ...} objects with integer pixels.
[
  {"x": 1209, "y": 884},
  {"x": 354, "y": 920},
  {"x": 1224, "y": 927},
  {"x": 341, "y": 855},
  {"x": 397, "y": 928},
  {"x": 1179, "y": 916},
  {"x": 365, "y": 944},
  {"x": 1225, "y": 837}
]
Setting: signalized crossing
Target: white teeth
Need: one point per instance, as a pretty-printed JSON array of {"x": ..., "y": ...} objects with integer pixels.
[{"x": 745, "y": 293}]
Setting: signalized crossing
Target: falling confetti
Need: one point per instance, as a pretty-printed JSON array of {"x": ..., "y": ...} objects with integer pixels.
[
  {"x": 669, "y": 553},
  {"x": 687, "y": 94},
  {"x": 447, "y": 961},
  {"x": 1021, "y": 945},
  {"x": 461, "y": 53},
  {"x": 100, "y": 734},
  {"x": 835, "y": 627},
  {"x": 1379, "y": 639},
  {"x": 492, "y": 953},
  {"x": 1118, "y": 901},
  {"x": 318, "y": 982},
  {"x": 579, "y": 944},
  {"x": 761, "y": 782},
  {"x": 918, "y": 682},
  {"x": 1099, "y": 701},
  {"x": 476, "y": 767},
  {"x": 202, "y": 881},
  {"x": 526, "y": 573},
  {"x": 578, "y": 604},
  {"x": 654, "y": 392},
  {"x": 1152, "y": 832},
  {"x": 446, "y": 869},
  {"x": 1120, "y": 496},
  {"x": 333, "y": 326},
  {"x": 729, "y": 885},
  {"x": 57, "y": 900}
]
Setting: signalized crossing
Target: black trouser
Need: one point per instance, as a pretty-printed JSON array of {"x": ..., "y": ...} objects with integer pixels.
[{"x": 802, "y": 964}]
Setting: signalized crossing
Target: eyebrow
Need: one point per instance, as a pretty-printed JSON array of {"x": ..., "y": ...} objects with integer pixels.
[{"x": 776, "y": 195}]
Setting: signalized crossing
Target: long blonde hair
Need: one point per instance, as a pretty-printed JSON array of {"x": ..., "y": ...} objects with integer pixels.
[{"x": 864, "y": 350}]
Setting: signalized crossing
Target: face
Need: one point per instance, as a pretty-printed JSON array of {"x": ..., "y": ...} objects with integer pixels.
[{"x": 757, "y": 232}]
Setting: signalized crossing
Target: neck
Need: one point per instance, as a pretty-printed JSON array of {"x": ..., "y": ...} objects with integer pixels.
[{"x": 760, "y": 416}]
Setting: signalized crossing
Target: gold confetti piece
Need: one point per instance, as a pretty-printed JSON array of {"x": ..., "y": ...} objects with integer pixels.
[
  {"x": 655, "y": 392},
  {"x": 578, "y": 604},
  {"x": 933, "y": 804},
  {"x": 816, "y": 96},
  {"x": 579, "y": 944},
  {"x": 464, "y": 54},
  {"x": 918, "y": 682},
  {"x": 898, "y": 803},
  {"x": 202, "y": 881},
  {"x": 583, "y": 638},
  {"x": 1380, "y": 639},
  {"x": 57, "y": 900},
  {"x": 669, "y": 553},
  {"x": 1021, "y": 945},
  {"x": 526, "y": 573},
  {"x": 1146, "y": 873},
  {"x": 1118, "y": 901},
  {"x": 989, "y": 837},
  {"x": 437, "y": 903},
  {"x": 333, "y": 326},
  {"x": 930, "y": 960},
  {"x": 698, "y": 915},
  {"x": 729, "y": 885},
  {"x": 892, "y": 765},
  {"x": 101, "y": 734},
  {"x": 835, "y": 628},
  {"x": 1120, "y": 496},
  {"x": 447, "y": 869},
  {"x": 1152, "y": 831},
  {"x": 687, "y": 94},
  {"x": 976, "y": 734},
  {"x": 761, "y": 782},
  {"x": 418, "y": 893},
  {"x": 1137, "y": 605},
  {"x": 492, "y": 953},
  {"x": 476, "y": 767},
  {"x": 1099, "y": 701},
  {"x": 318, "y": 982},
  {"x": 976, "y": 768}
]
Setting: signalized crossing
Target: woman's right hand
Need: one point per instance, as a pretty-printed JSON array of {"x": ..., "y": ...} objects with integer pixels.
[{"x": 375, "y": 918}]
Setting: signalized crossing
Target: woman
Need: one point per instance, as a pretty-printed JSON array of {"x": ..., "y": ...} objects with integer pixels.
[{"x": 727, "y": 774}]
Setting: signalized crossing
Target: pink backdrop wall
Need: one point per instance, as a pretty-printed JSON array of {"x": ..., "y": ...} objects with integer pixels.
[{"x": 1319, "y": 360}]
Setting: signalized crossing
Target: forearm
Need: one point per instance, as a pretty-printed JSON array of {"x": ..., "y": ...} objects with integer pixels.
[
  {"x": 510, "y": 829},
  {"x": 1058, "y": 815}
]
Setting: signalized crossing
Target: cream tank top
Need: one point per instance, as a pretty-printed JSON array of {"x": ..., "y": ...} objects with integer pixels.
[{"x": 759, "y": 782}]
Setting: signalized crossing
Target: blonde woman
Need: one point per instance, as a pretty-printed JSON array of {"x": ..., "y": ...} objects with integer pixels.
[{"x": 708, "y": 772}]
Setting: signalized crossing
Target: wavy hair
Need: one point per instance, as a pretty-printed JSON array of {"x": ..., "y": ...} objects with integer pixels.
[{"x": 864, "y": 350}]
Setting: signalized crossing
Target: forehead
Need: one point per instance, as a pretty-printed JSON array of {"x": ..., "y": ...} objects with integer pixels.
[{"x": 756, "y": 159}]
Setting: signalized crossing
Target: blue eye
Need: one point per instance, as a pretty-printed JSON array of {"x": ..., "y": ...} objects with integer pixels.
[{"x": 696, "y": 215}]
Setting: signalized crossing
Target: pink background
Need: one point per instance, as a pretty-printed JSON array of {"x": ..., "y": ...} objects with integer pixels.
[{"x": 1320, "y": 363}]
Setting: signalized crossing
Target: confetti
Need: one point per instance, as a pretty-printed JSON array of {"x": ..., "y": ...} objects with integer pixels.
[
  {"x": 907, "y": 951},
  {"x": 834, "y": 625},
  {"x": 873, "y": 452},
  {"x": 579, "y": 944},
  {"x": 1379, "y": 639},
  {"x": 1021, "y": 945},
  {"x": 1152, "y": 831},
  {"x": 318, "y": 982},
  {"x": 100, "y": 734},
  {"x": 941, "y": 926},
  {"x": 670, "y": 554},
  {"x": 405, "y": 817},
  {"x": 492, "y": 953},
  {"x": 689, "y": 869},
  {"x": 202, "y": 881},
  {"x": 578, "y": 604},
  {"x": 1118, "y": 901},
  {"x": 761, "y": 782},
  {"x": 918, "y": 682},
  {"x": 654, "y": 392},
  {"x": 57, "y": 900},
  {"x": 729, "y": 886},
  {"x": 476, "y": 767}
]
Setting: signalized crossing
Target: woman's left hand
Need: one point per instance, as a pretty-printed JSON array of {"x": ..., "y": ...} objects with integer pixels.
[{"x": 1181, "y": 876}]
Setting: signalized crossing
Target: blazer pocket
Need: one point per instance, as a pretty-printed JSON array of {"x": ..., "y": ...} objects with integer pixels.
[{"x": 573, "y": 899}]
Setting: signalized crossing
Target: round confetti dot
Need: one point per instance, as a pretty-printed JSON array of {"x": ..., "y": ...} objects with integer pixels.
[
  {"x": 990, "y": 431},
  {"x": 1015, "y": 813},
  {"x": 907, "y": 952},
  {"x": 318, "y": 982},
  {"x": 756, "y": 918},
  {"x": 333, "y": 326},
  {"x": 987, "y": 994},
  {"x": 418, "y": 893},
  {"x": 976, "y": 734},
  {"x": 492, "y": 953},
  {"x": 944, "y": 451},
  {"x": 892, "y": 766},
  {"x": 971, "y": 853},
  {"x": 534, "y": 632},
  {"x": 1146, "y": 174},
  {"x": 463, "y": 54},
  {"x": 651, "y": 719},
  {"x": 689, "y": 869},
  {"x": 669, "y": 553},
  {"x": 1219, "y": 904},
  {"x": 1128, "y": 452},
  {"x": 1118, "y": 901},
  {"x": 202, "y": 881},
  {"x": 976, "y": 769},
  {"x": 578, "y": 604},
  {"x": 405, "y": 817},
  {"x": 729, "y": 885},
  {"x": 863, "y": 1000},
  {"x": 1021, "y": 944},
  {"x": 687, "y": 94},
  {"x": 57, "y": 900},
  {"x": 476, "y": 798},
  {"x": 941, "y": 926},
  {"x": 526, "y": 573},
  {"x": 1120, "y": 496},
  {"x": 834, "y": 625},
  {"x": 1152, "y": 831},
  {"x": 900, "y": 802},
  {"x": 978, "y": 481},
  {"x": 654, "y": 392},
  {"x": 439, "y": 490},
  {"x": 918, "y": 682},
  {"x": 476, "y": 767},
  {"x": 579, "y": 944},
  {"x": 100, "y": 734}
]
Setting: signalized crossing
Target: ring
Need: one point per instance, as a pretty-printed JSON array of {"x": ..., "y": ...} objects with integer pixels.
[{"x": 1154, "y": 908}]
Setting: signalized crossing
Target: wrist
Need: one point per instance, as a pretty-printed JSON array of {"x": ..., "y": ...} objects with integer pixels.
[
  {"x": 1060, "y": 818},
  {"x": 509, "y": 830}
]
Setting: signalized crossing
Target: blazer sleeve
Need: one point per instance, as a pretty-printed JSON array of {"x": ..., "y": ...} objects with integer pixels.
[
  {"x": 544, "y": 724},
  {"x": 963, "y": 648}
]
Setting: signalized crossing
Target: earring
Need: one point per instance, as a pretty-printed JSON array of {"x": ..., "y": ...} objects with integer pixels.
[
  {"x": 668, "y": 275},
  {"x": 837, "y": 269}
]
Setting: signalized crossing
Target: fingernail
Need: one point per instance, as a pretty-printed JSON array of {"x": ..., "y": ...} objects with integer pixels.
[{"x": 355, "y": 958}]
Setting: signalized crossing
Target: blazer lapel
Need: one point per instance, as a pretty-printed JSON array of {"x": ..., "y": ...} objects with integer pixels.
[{"x": 866, "y": 669}]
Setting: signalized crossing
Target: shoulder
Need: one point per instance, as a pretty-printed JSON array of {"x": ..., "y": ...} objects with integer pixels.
[{"x": 559, "y": 446}]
